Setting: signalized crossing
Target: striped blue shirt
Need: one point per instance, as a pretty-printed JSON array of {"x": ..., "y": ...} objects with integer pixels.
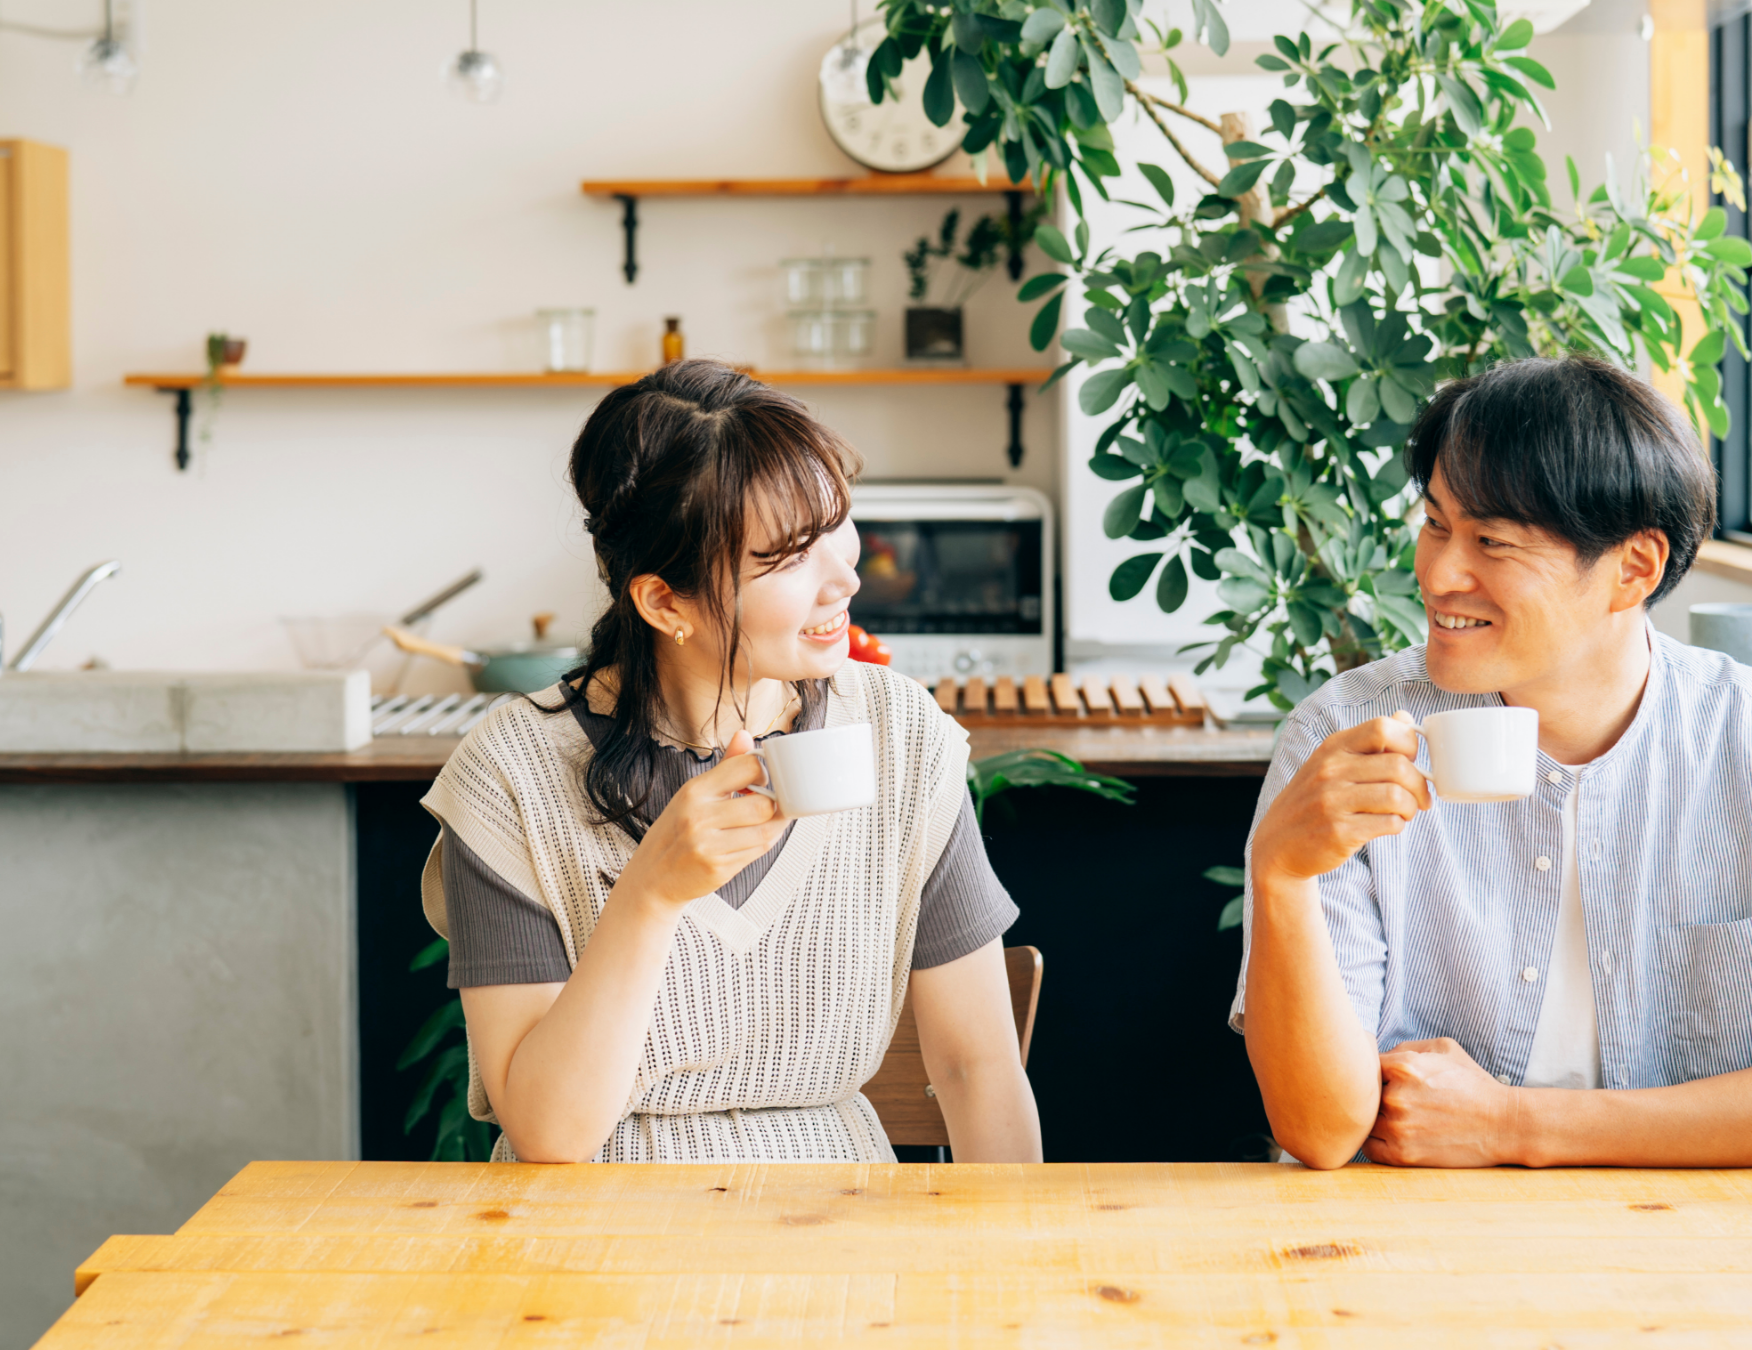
[{"x": 1436, "y": 929}]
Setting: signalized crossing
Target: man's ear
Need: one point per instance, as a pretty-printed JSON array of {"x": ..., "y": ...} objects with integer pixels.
[
  {"x": 659, "y": 606},
  {"x": 1641, "y": 562}
]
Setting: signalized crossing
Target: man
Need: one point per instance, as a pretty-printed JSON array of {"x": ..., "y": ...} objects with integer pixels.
[{"x": 1431, "y": 983}]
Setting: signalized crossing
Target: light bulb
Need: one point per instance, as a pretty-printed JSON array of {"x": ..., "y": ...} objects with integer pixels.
[
  {"x": 843, "y": 72},
  {"x": 475, "y": 76},
  {"x": 105, "y": 64}
]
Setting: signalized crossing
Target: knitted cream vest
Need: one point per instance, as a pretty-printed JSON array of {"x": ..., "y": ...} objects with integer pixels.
[{"x": 772, "y": 1016}]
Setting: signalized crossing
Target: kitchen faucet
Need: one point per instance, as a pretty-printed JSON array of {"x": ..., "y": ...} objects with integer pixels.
[{"x": 45, "y": 633}]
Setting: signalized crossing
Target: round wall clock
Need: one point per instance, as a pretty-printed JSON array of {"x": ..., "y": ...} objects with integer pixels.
[{"x": 893, "y": 136}]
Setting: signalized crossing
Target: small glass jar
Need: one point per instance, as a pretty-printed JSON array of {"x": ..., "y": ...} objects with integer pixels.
[
  {"x": 822, "y": 283},
  {"x": 832, "y": 337},
  {"x": 569, "y": 334}
]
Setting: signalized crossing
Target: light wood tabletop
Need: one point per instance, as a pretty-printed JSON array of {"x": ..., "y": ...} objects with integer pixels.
[{"x": 454, "y": 1254}]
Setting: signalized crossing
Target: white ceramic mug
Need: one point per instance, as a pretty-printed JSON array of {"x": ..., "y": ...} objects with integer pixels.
[
  {"x": 1482, "y": 754},
  {"x": 810, "y": 773}
]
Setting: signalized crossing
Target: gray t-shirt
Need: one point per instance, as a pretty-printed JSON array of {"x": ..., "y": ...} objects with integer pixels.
[{"x": 498, "y": 935}]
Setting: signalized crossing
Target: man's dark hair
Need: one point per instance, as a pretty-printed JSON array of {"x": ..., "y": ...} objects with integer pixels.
[{"x": 1573, "y": 446}]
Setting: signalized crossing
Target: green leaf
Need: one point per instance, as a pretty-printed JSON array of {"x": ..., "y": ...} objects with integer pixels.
[
  {"x": 1035, "y": 287},
  {"x": 1731, "y": 249},
  {"x": 1123, "y": 512},
  {"x": 939, "y": 96},
  {"x": 1108, "y": 87},
  {"x": 1643, "y": 268},
  {"x": 1575, "y": 177},
  {"x": 1170, "y": 499},
  {"x": 969, "y": 30},
  {"x": 1109, "y": 15},
  {"x": 1102, "y": 390},
  {"x": 1367, "y": 238},
  {"x": 1042, "y": 24},
  {"x": 443, "y": 1068},
  {"x": 1324, "y": 361},
  {"x": 1090, "y": 346},
  {"x": 1209, "y": 28},
  {"x": 1531, "y": 69},
  {"x": 1114, "y": 468},
  {"x": 1245, "y": 150},
  {"x": 430, "y": 955},
  {"x": 1225, "y": 876},
  {"x": 1241, "y": 595},
  {"x": 1053, "y": 244},
  {"x": 1347, "y": 287},
  {"x": 1045, "y": 323},
  {"x": 435, "y": 1028},
  {"x": 1235, "y": 911},
  {"x": 1709, "y": 348},
  {"x": 1159, "y": 180},
  {"x": 1516, "y": 35},
  {"x": 1304, "y": 622},
  {"x": 1577, "y": 281},
  {"x": 1240, "y": 179},
  {"x": 1061, "y": 61},
  {"x": 1172, "y": 586},
  {"x": 970, "y": 82},
  {"x": 1362, "y": 404},
  {"x": 1129, "y": 577},
  {"x": 1233, "y": 560},
  {"x": 1714, "y": 221},
  {"x": 1468, "y": 112},
  {"x": 1153, "y": 385}
]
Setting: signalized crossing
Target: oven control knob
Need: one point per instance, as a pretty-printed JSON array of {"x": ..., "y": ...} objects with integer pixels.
[{"x": 967, "y": 661}]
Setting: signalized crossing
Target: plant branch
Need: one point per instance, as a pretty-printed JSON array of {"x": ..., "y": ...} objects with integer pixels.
[
  {"x": 1145, "y": 101},
  {"x": 1288, "y": 214},
  {"x": 1187, "y": 113}
]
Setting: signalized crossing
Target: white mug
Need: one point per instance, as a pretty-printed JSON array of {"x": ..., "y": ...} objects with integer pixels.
[
  {"x": 810, "y": 773},
  {"x": 1482, "y": 754}
]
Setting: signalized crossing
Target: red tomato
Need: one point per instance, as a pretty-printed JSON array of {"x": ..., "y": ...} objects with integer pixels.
[{"x": 868, "y": 648}]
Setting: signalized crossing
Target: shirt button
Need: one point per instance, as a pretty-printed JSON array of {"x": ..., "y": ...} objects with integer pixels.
[
  {"x": 1543, "y": 864},
  {"x": 1555, "y": 776},
  {"x": 1506, "y": 1079},
  {"x": 1530, "y": 973}
]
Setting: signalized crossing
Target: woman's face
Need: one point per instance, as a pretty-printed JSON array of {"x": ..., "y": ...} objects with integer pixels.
[{"x": 795, "y": 616}]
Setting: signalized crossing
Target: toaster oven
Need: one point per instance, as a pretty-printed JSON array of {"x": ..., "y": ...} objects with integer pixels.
[{"x": 956, "y": 578}]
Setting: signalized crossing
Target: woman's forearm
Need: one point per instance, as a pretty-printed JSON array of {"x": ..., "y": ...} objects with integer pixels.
[
  {"x": 1318, "y": 1069},
  {"x": 569, "y": 1079},
  {"x": 989, "y": 1109}
]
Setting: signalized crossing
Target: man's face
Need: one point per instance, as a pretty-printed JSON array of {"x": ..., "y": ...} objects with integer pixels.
[{"x": 1508, "y": 606}]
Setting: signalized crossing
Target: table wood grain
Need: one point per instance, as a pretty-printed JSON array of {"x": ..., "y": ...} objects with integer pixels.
[{"x": 759, "y": 1254}]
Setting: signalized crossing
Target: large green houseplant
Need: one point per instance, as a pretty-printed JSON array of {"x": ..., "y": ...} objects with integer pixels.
[{"x": 1263, "y": 359}]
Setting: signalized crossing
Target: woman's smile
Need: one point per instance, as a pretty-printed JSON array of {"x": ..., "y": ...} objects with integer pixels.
[{"x": 831, "y": 631}]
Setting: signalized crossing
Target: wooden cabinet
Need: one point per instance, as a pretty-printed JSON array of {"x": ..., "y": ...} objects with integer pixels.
[{"x": 36, "y": 335}]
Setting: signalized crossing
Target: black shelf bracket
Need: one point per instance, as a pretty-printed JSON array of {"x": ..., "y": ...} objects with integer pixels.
[
  {"x": 184, "y": 406},
  {"x": 1015, "y": 449},
  {"x": 1015, "y": 264},
  {"x": 630, "y": 224}
]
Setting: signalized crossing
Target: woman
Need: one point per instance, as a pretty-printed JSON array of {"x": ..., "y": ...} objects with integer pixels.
[{"x": 654, "y": 965}]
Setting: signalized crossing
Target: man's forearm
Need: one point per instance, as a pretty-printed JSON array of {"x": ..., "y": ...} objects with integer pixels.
[
  {"x": 1705, "y": 1123},
  {"x": 1317, "y": 1067}
]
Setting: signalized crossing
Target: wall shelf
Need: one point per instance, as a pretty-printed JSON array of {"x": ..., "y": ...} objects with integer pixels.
[
  {"x": 628, "y": 191},
  {"x": 183, "y": 385}
]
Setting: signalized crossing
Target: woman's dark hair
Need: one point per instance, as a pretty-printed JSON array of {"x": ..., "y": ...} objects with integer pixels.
[
  {"x": 676, "y": 473},
  {"x": 1574, "y": 446}
]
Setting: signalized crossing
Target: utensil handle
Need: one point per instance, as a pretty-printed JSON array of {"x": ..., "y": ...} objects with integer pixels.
[
  {"x": 415, "y": 645},
  {"x": 1424, "y": 737},
  {"x": 449, "y": 593},
  {"x": 765, "y": 790}
]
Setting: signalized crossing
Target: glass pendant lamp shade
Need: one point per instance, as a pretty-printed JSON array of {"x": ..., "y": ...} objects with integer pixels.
[
  {"x": 106, "y": 63},
  {"x": 475, "y": 75}
]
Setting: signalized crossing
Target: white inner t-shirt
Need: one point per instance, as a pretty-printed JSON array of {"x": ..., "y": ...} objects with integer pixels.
[{"x": 1566, "y": 1043}]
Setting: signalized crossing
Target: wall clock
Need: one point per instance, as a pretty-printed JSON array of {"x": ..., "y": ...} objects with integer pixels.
[{"x": 893, "y": 136}]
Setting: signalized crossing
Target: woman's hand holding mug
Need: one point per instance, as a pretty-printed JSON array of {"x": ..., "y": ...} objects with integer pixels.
[{"x": 712, "y": 828}]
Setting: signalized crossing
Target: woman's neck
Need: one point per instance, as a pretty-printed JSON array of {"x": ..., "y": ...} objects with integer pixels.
[{"x": 705, "y": 712}]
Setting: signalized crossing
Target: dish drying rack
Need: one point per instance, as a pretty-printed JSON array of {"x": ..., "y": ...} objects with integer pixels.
[{"x": 431, "y": 714}]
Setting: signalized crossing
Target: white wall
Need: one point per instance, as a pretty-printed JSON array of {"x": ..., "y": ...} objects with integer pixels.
[{"x": 298, "y": 175}]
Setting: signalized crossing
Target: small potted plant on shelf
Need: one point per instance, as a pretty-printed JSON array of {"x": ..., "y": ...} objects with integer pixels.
[
  {"x": 934, "y": 331},
  {"x": 224, "y": 353}
]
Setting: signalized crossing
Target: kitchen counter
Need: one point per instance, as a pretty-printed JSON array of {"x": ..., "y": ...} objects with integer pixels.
[{"x": 1134, "y": 751}]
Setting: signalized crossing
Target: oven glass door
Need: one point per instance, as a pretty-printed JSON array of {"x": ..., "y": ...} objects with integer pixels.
[{"x": 949, "y": 576}]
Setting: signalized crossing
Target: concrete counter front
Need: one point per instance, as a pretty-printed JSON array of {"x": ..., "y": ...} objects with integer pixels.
[{"x": 205, "y": 962}]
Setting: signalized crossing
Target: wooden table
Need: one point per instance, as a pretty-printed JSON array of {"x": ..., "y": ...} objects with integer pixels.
[{"x": 453, "y": 1254}]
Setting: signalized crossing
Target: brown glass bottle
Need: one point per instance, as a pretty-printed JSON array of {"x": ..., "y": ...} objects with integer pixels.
[{"x": 672, "y": 340}]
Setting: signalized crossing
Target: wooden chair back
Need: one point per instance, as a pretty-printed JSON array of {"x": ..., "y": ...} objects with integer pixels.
[{"x": 901, "y": 1090}]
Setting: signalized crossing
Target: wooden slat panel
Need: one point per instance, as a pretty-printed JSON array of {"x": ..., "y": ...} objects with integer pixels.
[
  {"x": 1186, "y": 695},
  {"x": 1034, "y": 697},
  {"x": 1004, "y": 695},
  {"x": 1064, "y": 694},
  {"x": 973, "y": 697},
  {"x": 947, "y": 693},
  {"x": 1125, "y": 694},
  {"x": 1096, "y": 696},
  {"x": 1156, "y": 694}
]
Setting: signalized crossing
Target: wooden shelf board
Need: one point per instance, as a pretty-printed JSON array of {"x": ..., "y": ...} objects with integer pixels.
[
  {"x": 537, "y": 379},
  {"x": 872, "y": 185}
]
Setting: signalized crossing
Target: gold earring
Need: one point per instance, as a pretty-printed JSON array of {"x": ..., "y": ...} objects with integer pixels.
[{"x": 680, "y": 638}]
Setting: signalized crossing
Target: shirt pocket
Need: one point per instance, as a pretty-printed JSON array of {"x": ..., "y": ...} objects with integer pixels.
[{"x": 1706, "y": 990}]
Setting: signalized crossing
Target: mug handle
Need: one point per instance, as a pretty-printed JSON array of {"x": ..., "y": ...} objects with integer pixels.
[
  {"x": 1429, "y": 777},
  {"x": 764, "y": 789}
]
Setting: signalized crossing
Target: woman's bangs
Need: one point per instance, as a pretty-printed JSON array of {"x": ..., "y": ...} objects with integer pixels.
[{"x": 798, "y": 495}]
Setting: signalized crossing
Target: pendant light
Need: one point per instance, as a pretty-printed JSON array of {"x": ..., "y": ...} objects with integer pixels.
[
  {"x": 106, "y": 64},
  {"x": 474, "y": 75}
]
